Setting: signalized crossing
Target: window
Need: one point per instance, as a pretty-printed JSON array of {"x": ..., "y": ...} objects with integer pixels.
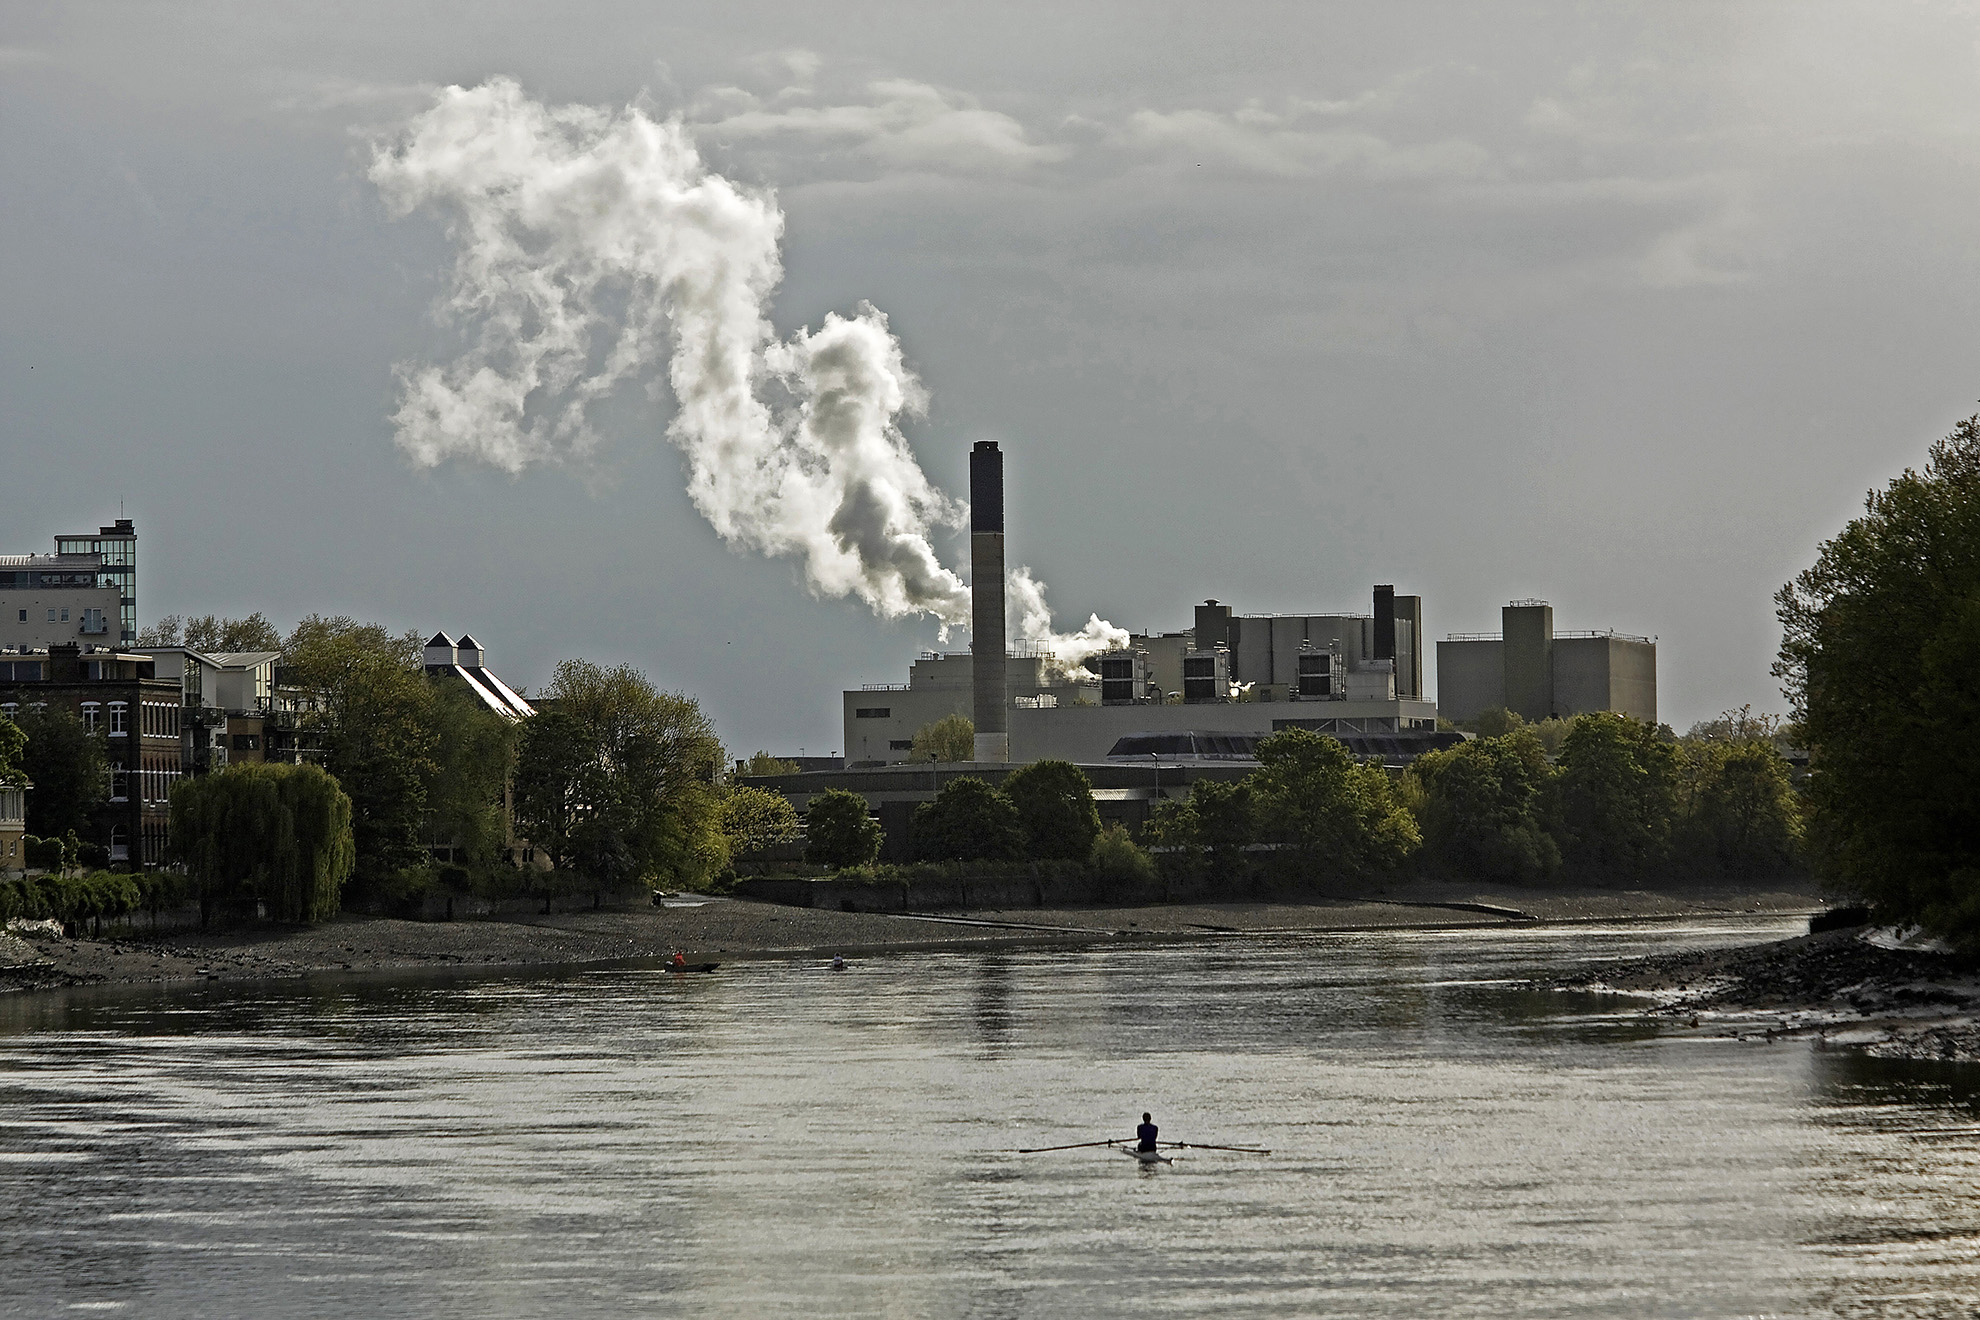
[
  {"x": 51, "y": 614},
  {"x": 873, "y": 713},
  {"x": 900, "y": 744},
  {"x": 90, "y": 711},
  {"x": 247, "y": 742},
  {"x": 120, "y": 784},
  {"x": 119, "y": 714},
  {"x": 65, "y": 614}
]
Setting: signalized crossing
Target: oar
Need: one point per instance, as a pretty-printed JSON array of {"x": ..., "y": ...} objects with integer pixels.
[
  {"x": 1077, "y": 1145},
  {"x": 1197, "y": 1145}
]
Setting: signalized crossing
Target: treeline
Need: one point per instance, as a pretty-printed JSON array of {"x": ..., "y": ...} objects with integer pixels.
[
  {"x": 1621, "y": 802},
  {"x": 411, "y": 784}
]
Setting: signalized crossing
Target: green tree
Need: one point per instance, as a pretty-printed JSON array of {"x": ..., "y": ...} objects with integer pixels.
[
  {"x": 13, "y": 743},
  {"x": 211, "y": 634},
  {"x": 1207, "y": 832},
  {"x": 949, "y": 739},
  {"x": 1493, "y": 722},
  {"x": 651, "y": 804},
  {"x": 1741, "y": 815},
  {"x": 1880, "y": 645},
  {"x": 838, "y": 831},
  {"x": 553, "y": 789},
  {"x": 474, "y": 754},
  {"x": 377, "y": 728},
  {"x": 1117, "y": 857},
  {"x": 1054, "y": 801},
  {"x": 1483, "y": 808},
  {"x": 1330, "y": 815},
  {"x": 70, "y": 769},
  {"x": 1616, "y": 795},
  {"x": 754, "y": 818},
  {"x": 765, "y": 764},
  {"x": 276, "y": 834},
  {"x": 968, "y": 821}
]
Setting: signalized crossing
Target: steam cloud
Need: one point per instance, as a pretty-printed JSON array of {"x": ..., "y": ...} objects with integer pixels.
[{"x": 587, "y": 241}]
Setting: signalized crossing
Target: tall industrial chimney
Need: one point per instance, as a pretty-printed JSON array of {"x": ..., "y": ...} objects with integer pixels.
[
  {"x": 986, "y": 600},
  {"x": 1385, "y": 622}
]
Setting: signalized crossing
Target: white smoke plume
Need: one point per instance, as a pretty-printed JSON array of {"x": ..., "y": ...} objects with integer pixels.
[
  {"x": 591, "y": 245},
  {"x": 1030, "y": 620}
]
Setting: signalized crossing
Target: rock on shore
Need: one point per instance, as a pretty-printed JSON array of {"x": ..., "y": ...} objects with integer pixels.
[{"x": 1851, "y": 987}]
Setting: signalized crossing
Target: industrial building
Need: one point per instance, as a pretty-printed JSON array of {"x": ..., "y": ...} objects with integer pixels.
[
  {"x": 1537, "y": 673},
  {"x": 84, "y": 594}
]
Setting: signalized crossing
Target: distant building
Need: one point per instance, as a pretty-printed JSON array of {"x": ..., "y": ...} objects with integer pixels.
[
  {"x": 119, "y": 694},
  {"x": 1537, "y": 673},
  {"x": 233, "y": 708},
  {"x": 116, "y": 545},
  {"x": 1254, "y": 675},
  {"x": 447, "y": 658},
  {"x": 51, "y": 600},
  {"x": 13, "y": 826}
]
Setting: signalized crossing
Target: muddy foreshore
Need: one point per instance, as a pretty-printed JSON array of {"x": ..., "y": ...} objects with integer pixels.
[
  {"x": 727, "y": 929},
  {"x": 1863, "y": 987}
]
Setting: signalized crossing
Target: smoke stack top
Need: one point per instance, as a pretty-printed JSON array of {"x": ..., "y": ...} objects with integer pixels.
[
  {"x": 986, "y": 487},
  {"x": 986, "y": 589}
]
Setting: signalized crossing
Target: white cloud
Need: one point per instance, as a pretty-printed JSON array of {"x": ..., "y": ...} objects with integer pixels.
[
  {"x": 897, "y": 122},
  {"x": 1301, "y": 140}
]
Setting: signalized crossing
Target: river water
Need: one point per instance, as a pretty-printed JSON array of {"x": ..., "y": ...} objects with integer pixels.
[{"x": 779, "y": 1140}]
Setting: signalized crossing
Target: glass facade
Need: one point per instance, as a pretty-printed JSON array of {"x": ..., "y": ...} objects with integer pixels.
[{"x": 117, "y": 544}]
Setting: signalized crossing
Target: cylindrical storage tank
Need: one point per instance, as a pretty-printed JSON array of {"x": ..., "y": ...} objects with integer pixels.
[{"x": 986, "y": 603}]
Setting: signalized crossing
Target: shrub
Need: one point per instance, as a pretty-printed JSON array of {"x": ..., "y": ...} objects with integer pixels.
[
  {"x": 42, "y": 854},
  {"x": 839, "y": 833},
  {"x": 1117, "y": 857}
]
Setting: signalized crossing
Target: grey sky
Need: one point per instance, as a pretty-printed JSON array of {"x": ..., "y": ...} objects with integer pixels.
[{"x": 1621, "y": 307}]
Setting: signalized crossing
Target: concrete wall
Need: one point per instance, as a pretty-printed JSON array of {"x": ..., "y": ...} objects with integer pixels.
[
  {"x": 1605, "y": 673},
  {"x": 1470, "y": 677},
  {"x": 1529, "y": 660},
  {"x": 938, "y": 686},
  {"x": 37, "y": 631}
]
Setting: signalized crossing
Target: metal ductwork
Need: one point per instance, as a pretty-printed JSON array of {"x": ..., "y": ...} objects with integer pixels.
[{"x": 986, "y": 600}]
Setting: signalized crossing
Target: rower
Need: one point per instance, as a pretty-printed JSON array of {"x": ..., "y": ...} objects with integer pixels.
[
  {"x": 1145, "y": 1134},
  {"x": 680, "y": 960},
  {"x": 838, "y": 962}
]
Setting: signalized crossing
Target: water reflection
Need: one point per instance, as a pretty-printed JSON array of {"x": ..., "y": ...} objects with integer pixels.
[{"x": 785, "y": 1141}]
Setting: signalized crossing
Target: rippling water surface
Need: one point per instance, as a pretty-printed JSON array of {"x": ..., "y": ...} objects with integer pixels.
[{"x": 779, "y": 1140}]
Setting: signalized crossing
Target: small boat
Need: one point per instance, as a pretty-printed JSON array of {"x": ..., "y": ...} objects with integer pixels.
[
  {"x": 1147, "y": 1156},
  {"x": 692, "y": 967}
]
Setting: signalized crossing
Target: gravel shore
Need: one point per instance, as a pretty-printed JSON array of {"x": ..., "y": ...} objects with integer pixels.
[
  {"x": 726, "y": 929},
  {"x": 1864, "y": 987}
]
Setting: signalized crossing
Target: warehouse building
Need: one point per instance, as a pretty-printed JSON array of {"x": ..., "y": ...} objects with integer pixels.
[{"x": 1537, "y": 673}]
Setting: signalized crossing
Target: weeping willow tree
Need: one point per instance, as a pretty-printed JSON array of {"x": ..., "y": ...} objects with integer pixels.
[{"x": 279, "y": 835}]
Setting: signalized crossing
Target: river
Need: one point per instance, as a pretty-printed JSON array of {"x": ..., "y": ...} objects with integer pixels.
[{"x": 780, "y": 1140}]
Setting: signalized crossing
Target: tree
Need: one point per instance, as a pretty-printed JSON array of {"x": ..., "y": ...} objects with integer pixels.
[
  {"x": 1329, "y": 814},
  {"x": 1207, "y": 832},
  {"x": 552, "y": 789},
  {"x": 269, "y": 833},
  {"x": 69, "y": 767},
  {"x": 212, "y": 634},
  {"x": 1484, "y": 805},
  {"x": 765, "y": 764},
  {"x": 755, "y": 818},
  {"x": 1616, "y": 795},
  {"x": 838, "y": 831},
  {"x": 1054, "y": 802},
  {"x": 1743, "y": 816},
  {"x": 968, "y": 821},
  {"x": 648, "y": 806},
  {"x": 949, "y": 739},
  {"x": 474, "y": 753},
  {"x": 1117, "y": 857},
  {"x": 376, "y": 725},
  {"x": 165, "y": 632},
  {"x": 1880, "y": 643},
  {"x": 13, "y": 743}
]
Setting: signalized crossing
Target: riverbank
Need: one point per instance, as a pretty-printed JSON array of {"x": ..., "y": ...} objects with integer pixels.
[
  {"x": 1864, "y": 988},
  {"x": 728, "y": 929}
]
